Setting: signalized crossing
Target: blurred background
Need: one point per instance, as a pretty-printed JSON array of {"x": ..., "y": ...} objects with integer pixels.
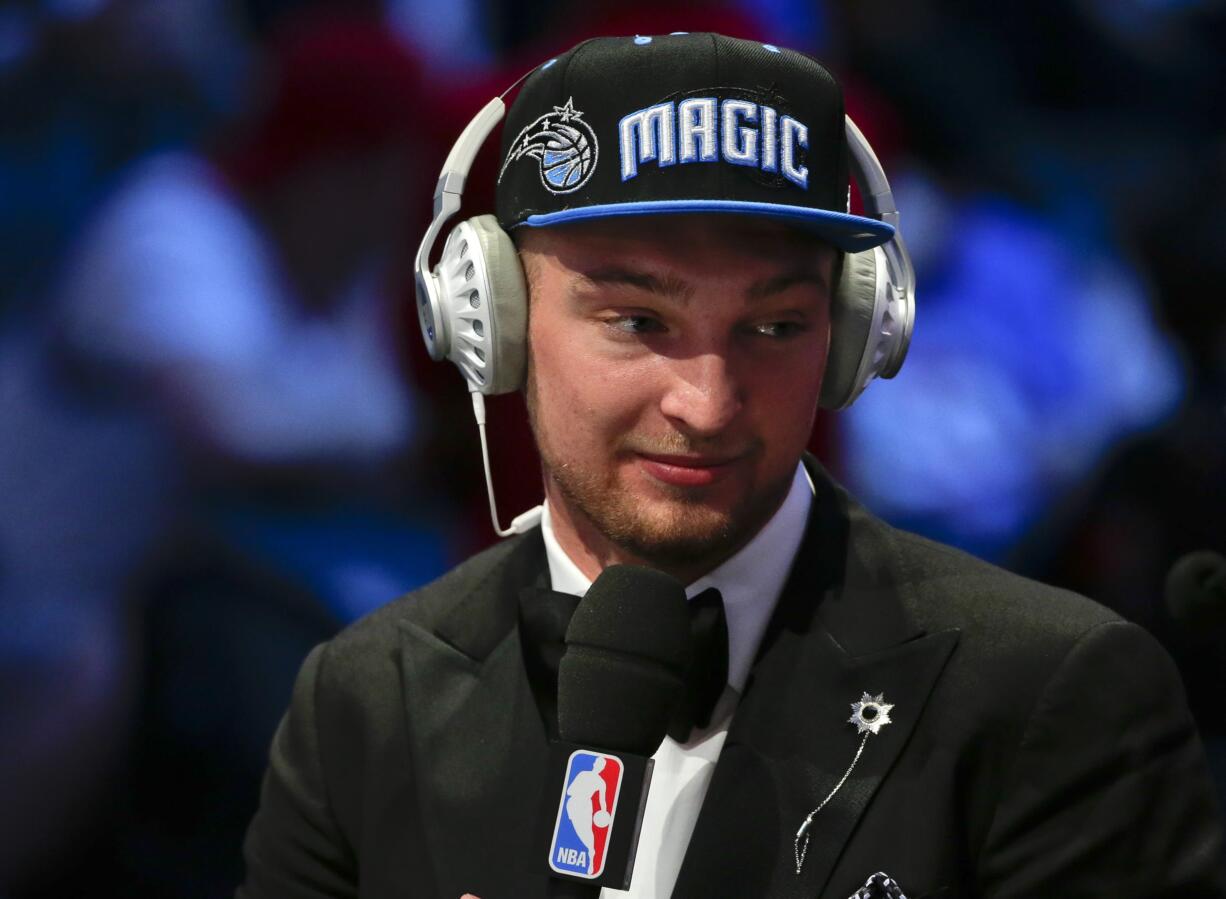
[{"x": 221, "y": 440}]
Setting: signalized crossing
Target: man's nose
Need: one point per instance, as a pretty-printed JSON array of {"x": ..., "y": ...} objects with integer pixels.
[{"x": 704, "y": 394}]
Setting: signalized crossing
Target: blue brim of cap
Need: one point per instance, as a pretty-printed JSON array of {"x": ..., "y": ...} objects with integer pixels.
[{"x": 850, "y": 233}]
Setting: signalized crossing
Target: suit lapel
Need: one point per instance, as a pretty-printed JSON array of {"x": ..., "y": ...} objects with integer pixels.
[
  {"x": 840, "y": 630},
  {"x": 477, "y": 740}
]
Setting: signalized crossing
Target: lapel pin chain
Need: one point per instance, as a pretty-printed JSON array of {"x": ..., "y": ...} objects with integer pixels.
[{"x": 869, "y": 715}]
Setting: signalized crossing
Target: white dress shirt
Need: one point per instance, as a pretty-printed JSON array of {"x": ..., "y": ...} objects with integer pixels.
[{"x": 750, "y": 583}]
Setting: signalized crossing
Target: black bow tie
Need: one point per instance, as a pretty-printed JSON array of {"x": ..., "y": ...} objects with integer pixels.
[{"x": 544, "y": 615}]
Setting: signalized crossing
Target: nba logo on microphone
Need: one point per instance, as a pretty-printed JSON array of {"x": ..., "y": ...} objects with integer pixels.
[{"x": 586, "y": 811}]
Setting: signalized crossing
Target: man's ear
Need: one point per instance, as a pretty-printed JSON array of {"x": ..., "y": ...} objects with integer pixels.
[
  {"x": 530, "y": 261},
  {"x": 528, "y": 245},
  {"x": 838, "y": 260}
]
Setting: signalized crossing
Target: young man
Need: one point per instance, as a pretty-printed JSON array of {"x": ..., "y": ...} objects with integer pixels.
[{"x": 677, "y": 204}]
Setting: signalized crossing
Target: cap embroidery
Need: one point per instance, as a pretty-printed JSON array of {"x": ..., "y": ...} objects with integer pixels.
[
  {"x": 704, "y": 129},
  {"x": 563, "y": 145}
]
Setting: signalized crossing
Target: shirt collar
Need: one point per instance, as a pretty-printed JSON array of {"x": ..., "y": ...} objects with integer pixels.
[{"x": 750, "y": 581}]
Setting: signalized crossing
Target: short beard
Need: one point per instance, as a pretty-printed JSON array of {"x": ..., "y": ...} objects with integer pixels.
[{"x": 686, "y": 536}]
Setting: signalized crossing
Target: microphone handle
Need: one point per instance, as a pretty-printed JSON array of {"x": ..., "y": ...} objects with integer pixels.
[
  {"x": 627, "y": 779},
  {"x": 569, "y": 889}
]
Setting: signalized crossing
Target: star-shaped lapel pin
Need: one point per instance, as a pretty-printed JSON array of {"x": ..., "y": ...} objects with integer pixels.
[{"x": 871, "y": 713}]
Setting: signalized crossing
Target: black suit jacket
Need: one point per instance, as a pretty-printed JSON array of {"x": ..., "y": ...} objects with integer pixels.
[{"x": 1039, "y": 745}]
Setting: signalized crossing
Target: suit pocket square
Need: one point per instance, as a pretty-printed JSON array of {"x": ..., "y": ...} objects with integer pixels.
[{"x": 879, "y": 886}]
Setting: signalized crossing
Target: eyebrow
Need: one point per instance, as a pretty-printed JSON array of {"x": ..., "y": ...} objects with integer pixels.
[
  {"x": 618, "y": 276},
  {"x": 780, "y": 283},
  {"x": 669, "y": 286}
]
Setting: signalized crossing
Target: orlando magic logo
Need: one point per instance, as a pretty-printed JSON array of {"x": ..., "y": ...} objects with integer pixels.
[{"x": 563, "y": 145}]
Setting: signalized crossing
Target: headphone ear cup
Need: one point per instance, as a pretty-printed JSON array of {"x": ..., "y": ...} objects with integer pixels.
[
  {"x": 485, "y": 302},
  {"x": 508, "y": 304},
  {"x": 853, "y": 310}
]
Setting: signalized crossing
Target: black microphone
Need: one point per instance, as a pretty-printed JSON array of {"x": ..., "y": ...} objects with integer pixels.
[
  {"x": 1196, "y": 593},
  {"x": 619, "y": 682}
]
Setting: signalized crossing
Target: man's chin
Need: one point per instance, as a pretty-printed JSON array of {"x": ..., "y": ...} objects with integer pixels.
[
  {"x": 681, "y": 534},
  {"x": 671, "y": 527},
  {"x": 673, "y": 530}
]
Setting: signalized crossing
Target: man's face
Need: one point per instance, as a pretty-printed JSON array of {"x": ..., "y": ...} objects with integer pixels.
[{"x": 674, "y": 370}]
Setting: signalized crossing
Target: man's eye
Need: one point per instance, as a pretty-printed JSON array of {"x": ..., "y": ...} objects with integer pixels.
[
  {"x": 636, "y": 324},
  {"x": 778, "y": 329}
]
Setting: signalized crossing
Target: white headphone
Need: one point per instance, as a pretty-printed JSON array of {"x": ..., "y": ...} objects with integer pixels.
[{"x": 473, "y": 306}]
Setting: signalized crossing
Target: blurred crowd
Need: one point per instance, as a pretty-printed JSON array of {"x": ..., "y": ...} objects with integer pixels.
[{"x": 221, "y": 440}]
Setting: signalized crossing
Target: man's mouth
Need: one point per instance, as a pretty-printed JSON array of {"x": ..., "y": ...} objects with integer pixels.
[{"x": 686, "y": 470}]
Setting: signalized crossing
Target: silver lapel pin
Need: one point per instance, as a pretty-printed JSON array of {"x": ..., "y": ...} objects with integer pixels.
[{"x": 869, "y": 715}]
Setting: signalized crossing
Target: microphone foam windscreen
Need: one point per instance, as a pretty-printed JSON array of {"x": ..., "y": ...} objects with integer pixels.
[
  {"x": 1196, "y": 591},
  {"x": 627, "y": 648}
]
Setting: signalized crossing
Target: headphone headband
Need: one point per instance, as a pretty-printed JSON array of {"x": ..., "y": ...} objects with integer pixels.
[{"x": 448, "y": 194}]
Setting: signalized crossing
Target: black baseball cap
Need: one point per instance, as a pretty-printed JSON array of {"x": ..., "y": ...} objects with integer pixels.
[{"x": 680, "y": 123}]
